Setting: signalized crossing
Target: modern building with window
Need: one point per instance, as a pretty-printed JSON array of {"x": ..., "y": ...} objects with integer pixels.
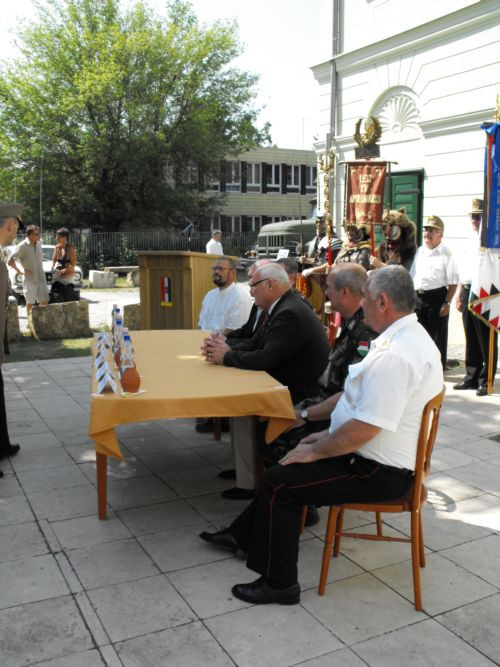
[
  {"x": 265, "y": 185},
  {"x": 430, "y": 71}
]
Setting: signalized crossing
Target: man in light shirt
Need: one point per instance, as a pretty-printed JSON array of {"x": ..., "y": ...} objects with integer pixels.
[
  {"x": 435, "y": 277},
  {"x": 29, "y": 255},
  {"x": 367, "y": 454},
  {"x": 228, "y": 306},
  {"x": 214, "y": 246}
]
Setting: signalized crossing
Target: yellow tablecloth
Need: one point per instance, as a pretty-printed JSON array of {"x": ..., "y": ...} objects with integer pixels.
[{"x": 178, "y": 382}]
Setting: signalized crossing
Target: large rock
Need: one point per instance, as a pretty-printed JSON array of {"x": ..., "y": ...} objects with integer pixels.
[
  {"x": 60, "y": 320},
  {"x": 102, "y": 279},
  {"x": 13, "y": 330},
  {"x": 132, "y": 316},
  {"x": 133, "y": 278}
]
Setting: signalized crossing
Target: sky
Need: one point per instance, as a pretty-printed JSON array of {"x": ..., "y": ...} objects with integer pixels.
[{"x": 281, "y": 39}]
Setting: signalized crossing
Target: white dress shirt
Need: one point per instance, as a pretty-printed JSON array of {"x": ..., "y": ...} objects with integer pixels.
[
  {"x": 389, "y": 389},
  {"x": 433, "y": 268}
]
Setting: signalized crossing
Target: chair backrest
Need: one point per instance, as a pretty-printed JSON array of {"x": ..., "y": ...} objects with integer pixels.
[{"x": 426, "y": 439}]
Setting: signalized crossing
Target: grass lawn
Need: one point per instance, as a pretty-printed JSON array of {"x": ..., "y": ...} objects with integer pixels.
[{"x": 30, "y": 349}]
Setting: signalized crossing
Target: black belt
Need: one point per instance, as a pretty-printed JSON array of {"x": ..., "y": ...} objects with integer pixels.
[
  {"x": 420, "y": 292},
  {"x": 403, "y": 472}
]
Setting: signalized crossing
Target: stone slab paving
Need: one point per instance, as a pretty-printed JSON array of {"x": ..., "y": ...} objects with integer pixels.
[{"x": 141, "y": 588}]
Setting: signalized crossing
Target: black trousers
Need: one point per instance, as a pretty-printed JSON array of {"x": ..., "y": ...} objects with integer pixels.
[
  {"x": 428, "y": 306},
  {"x": 268, "y": 529},
  {"x": 477, "y": 348},
  {"x": 4, "y": 434}
]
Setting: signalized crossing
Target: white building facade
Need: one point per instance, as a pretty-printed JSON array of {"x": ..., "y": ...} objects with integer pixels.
[{"x": 430, "y": 71}]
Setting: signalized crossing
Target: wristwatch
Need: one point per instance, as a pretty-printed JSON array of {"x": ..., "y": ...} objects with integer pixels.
[{"x": 305, "y": 415}]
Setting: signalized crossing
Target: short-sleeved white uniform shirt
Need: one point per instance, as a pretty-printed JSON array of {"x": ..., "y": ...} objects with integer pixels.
[{"x": 389, "y": 389}]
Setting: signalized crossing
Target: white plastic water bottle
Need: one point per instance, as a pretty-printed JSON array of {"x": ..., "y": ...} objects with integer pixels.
[
  {"x": 115, "y": 315},
  {"x": 117, "y": 341},
  {"x": 127, "y": 353}
]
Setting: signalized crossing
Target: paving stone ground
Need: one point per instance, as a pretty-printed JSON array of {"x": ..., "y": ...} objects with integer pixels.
[{"x": 142, "y": 589}]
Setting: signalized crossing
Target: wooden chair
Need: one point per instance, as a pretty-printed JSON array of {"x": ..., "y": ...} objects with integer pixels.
[{"x": 412, "y": 502}]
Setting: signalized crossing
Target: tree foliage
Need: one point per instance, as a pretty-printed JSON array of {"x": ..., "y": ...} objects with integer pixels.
[{"x": 113, "y": 106}]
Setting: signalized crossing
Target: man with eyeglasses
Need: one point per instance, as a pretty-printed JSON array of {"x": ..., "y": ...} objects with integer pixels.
[
  {"x": 290, "y": 345},
  {"x": 29, "y": 254},
  {"x": 226, "y": 307},
  {"x": 435, "y": 278}
]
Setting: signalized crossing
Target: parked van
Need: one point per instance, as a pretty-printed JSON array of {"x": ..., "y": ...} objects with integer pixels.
[{"x": 287, "y": 235}]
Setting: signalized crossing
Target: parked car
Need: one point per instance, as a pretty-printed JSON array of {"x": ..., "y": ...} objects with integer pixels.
[{"x": 16, "y": 280}]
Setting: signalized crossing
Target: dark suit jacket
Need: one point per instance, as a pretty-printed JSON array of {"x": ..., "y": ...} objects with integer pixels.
[
  {"x": 246, "y": 331},
  {"x": 292, "y": 347}
]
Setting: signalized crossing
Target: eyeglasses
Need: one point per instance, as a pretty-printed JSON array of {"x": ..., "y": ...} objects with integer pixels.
[
  {"x": 431, "y": 230},
  {"x": 252, "y": 285},
  {"x": 220, "y": 268}
]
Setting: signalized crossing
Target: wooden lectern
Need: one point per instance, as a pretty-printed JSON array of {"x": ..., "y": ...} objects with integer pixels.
[{"x": 172, "y": 286}]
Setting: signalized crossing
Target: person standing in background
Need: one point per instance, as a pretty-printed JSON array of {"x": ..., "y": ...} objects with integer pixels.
[
  {"x": 435, "y": 278},
  {"x": 10, "y": 222},
  {"x": 477, "y": 333},
  {"x": 29, "y": 254},
  {"x": 214, "y": 246}
]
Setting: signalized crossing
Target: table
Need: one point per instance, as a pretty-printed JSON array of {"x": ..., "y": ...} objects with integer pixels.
[{"x": 179, "y": 383}]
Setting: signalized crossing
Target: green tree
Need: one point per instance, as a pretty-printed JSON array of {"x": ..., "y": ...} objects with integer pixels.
[{"x": 114, "y": 106}]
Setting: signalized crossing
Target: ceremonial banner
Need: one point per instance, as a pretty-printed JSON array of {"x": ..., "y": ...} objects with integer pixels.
[
  {"x": 365, "y": 183},
  {"x": 490, "y": 229},
  {"x": 484, "y": 300}
]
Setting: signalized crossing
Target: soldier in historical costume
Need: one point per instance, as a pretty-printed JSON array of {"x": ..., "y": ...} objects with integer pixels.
[
  {"x": 400, "y": 245},
  {"x": 357, "y": 247}
]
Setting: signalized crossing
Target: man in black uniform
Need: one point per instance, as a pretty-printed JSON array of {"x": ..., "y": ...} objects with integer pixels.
[{"x": 477, "y": 333}]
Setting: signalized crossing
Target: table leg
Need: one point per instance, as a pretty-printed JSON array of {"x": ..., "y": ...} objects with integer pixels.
[
  {"x": 217, "y": 427},
  {"x": 102, "y": 484}
]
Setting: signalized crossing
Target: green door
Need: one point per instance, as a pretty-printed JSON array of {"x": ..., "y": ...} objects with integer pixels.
[{"x": 407, "y": 191}]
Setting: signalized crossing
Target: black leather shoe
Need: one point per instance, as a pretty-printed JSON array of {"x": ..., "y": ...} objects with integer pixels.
[
  {"x": 228, "y": 474},
  {"x": 312, "y": 517},
  {"x": 260, "y": 592},
  {"x": 238, "y": 494},
  {"x": 465, "y": 385},
  {"x": 223, "y": 539},
  {"x": 10, "y": 450},
  {"x": 482, "y": 391}
]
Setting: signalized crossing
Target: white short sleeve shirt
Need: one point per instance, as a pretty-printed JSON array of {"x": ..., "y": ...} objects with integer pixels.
[
  {"x": 227, "y": 308},
  {"x": 389, "y": 389},
  {"x": 214, "y": 247},
  {"x": 434, "y": 268}
]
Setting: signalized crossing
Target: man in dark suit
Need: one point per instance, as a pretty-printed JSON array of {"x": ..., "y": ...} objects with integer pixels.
[
  {"x": 290, "y": 345},
  {"x": 10, "y": 221}
]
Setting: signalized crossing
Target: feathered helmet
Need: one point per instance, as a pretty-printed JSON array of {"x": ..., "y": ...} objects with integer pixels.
[{"x": 397, "y": 226}]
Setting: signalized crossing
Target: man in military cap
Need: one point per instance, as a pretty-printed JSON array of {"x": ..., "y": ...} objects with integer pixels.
[
  {"x": 10, "y": 222},
  {"x": 477, "y": 349},
  {"x": 435, "y": 277}
]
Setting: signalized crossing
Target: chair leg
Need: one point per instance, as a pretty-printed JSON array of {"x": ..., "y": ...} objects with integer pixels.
[
  {"x": 378, "y": 518},
  {"x": 415, "y": 558},
  {"x": 303, "y": 518},
  {"x": 421, "y": 540},
  {"x": 327, "y": 551},
  {"x": 338, "y": 533}
]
